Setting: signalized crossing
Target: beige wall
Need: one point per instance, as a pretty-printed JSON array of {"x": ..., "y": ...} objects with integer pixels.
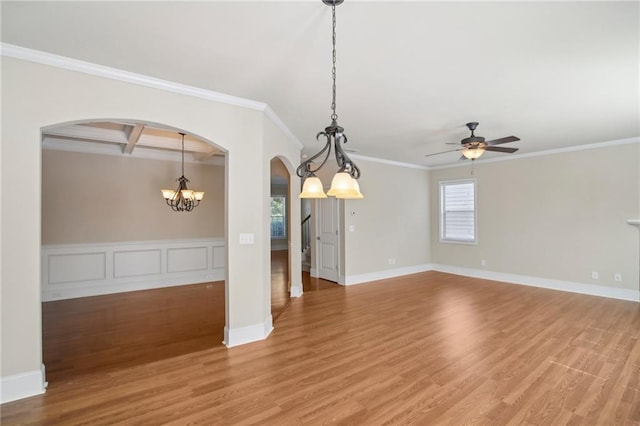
[
  {"x": 557, "y": 216},
  {"x": 391, "y": 222},
  {"x": 36, "y": 96},
  {"x": 89, "y": 198}
]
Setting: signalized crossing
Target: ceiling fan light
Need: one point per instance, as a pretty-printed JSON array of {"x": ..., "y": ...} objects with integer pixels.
[
  {"x": 312, "y": 188},
  {"x": 472, "y": 153}
]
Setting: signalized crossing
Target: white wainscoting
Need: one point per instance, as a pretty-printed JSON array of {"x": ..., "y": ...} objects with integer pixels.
[{"x": 80, "y": 270}]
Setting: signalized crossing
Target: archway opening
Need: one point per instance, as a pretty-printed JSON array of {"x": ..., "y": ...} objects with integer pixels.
[
  {"x": 280, "y": 232},
  {"x": 126, "y": 280}
]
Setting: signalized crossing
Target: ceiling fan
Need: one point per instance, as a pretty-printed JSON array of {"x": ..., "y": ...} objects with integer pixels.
[{"x": 474, "y": 146}]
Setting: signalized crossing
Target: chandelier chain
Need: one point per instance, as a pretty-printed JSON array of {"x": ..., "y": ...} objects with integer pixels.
[
  {"x": 334, "y": 116},
  {"x": 182, "y": 153}
]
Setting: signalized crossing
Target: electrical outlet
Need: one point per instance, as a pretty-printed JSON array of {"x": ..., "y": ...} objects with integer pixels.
[
  {"x": 392, "y": 261},
  {"x": 617, "y": 277},
  {"x": 594, "y": 275},
  {"x": 483, "y": 262}
]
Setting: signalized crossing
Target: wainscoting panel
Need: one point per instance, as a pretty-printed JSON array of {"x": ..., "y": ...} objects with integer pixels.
[
  {"x": 76, "y": 267},
  {"x": 133, "y": 263},
  {"x": 80, "y": 270},
  {"x": 219, "y": 257},
  {"x": 187, "y": 259}
]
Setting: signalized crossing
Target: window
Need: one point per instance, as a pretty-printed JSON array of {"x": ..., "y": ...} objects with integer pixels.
[
  {"x": 458, "y": 211},
  {"x": 278, "y": 221}
]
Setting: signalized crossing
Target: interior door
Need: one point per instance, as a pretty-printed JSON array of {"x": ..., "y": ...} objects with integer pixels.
[{"x": 328, "y": 238}]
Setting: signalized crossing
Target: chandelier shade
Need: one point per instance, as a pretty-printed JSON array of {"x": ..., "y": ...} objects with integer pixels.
[
  {"x": 344, "y": 183},
  {"x": 182, "y": 199},
  {"x": 312, "y": 188}
]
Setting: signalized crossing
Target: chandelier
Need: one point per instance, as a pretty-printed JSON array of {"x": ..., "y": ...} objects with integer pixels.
[
  {"x": 182, "y": 199},
  {"x": 344, "y": 183}
]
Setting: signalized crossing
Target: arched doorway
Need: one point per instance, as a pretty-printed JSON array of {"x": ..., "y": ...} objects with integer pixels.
[
  {"x": 280, "y": 232},
  {"x": 126, "y": 280}
]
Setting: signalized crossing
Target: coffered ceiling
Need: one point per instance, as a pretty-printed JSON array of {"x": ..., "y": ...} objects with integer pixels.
[{"x": 410, "y": 74}]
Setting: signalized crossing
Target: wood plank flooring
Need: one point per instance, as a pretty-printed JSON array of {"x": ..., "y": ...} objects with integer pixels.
[{"x": 426, "y": 349}]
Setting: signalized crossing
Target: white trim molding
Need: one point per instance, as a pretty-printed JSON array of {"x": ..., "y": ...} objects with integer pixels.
[
  {"x": 80, "y": 270},
  {"x": 381, "y": 275},
  {"x": 251, "y": 333},
  {"x": 295, "y": 291},
  {"x": 569, "y": 286},
  {"x": 18, "y": 52},
  {"x": 23, "y": 385}
]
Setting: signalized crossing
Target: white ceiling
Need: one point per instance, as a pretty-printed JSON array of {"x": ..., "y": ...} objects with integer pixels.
[{"x": 410, "y": 74}]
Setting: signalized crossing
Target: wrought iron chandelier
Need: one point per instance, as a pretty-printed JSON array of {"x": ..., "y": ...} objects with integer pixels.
[
  {"x": 344, "y": 183},
  {"x": 182, "y": 199}
]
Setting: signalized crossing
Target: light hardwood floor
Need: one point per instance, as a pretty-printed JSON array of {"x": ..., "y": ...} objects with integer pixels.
[{"x": 429, "y": 348}]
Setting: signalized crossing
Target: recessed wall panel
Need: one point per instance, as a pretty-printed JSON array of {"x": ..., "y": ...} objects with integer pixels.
[
  {"x": 69, "y": 268},
  {"x": 186, "y": 259},
  {"x": 134, "y": 263}
]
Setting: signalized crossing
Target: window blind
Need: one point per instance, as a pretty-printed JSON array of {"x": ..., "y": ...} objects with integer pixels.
[{"x": 457, "y": 212}]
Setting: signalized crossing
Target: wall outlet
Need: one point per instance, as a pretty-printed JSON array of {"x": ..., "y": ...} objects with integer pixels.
[
  {"x": 594, "y": 275},
  {"x": 483, "y": 262},
  {"x": 617, "y": 277},
  {"x": 392, "y": 261}
]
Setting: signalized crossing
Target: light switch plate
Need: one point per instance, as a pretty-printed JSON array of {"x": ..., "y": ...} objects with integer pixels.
[{"x": 246, "y": 238}]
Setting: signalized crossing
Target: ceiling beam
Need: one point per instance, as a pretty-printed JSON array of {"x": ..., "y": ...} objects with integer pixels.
[
  {"x": 206, "y": 155},
  {"x": 134, "y": 137}
]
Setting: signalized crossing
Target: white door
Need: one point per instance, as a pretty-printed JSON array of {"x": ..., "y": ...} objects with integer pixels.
[{"x": 328, "y": 239}]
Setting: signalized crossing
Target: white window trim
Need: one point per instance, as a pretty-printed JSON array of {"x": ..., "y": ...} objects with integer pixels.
[
  {"x": 441, "y": 185},
  {"x": 284, "y": 218}
]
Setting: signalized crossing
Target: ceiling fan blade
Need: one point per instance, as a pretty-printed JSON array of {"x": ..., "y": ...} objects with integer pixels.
[
  {"x": 443, "y": 152},
  {"x": 452, "y": 143},
  {"x": 462, "y": 157},
  {"x": 500, "y": 149},
  {"x": 502, "y": 140}
]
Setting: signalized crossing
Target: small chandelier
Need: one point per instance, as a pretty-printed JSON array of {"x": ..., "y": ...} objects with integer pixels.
[
  {"x": 182, "y": 199},
  {"x": 344, "y": 183}
]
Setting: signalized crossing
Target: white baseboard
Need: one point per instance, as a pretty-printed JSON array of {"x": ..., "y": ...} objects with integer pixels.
[
  {"x": 573, "y": 287},
  {"x": 295, "y": 291},
  {"x": 23, "y": 385},
  {"x": 81, "y": 270},
  {"x": 251, "y": 333},
  {"x": 381, "y": 275}
]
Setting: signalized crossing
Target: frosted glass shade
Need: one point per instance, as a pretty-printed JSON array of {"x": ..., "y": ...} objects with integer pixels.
[
  {"x": 341, "y": 183},
  {"x": 353, "y": 193},
  {"x": 168, "y": 194},
  {"x": 312, "y": 188},
  {"x": 187, "y": 193},
  {"x": 199, "y": 195},
  {"x": 472, "y": 153}
]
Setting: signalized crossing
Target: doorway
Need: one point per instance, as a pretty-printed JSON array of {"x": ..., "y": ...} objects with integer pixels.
[
  {"x": 280, "y": 231},
  {"x": 128, "y": 280}
]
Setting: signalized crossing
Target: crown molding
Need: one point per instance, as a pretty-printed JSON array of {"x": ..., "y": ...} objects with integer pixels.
[
  {"x": 389, "y": 162},
  {"x": 30, "y": 55}
]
